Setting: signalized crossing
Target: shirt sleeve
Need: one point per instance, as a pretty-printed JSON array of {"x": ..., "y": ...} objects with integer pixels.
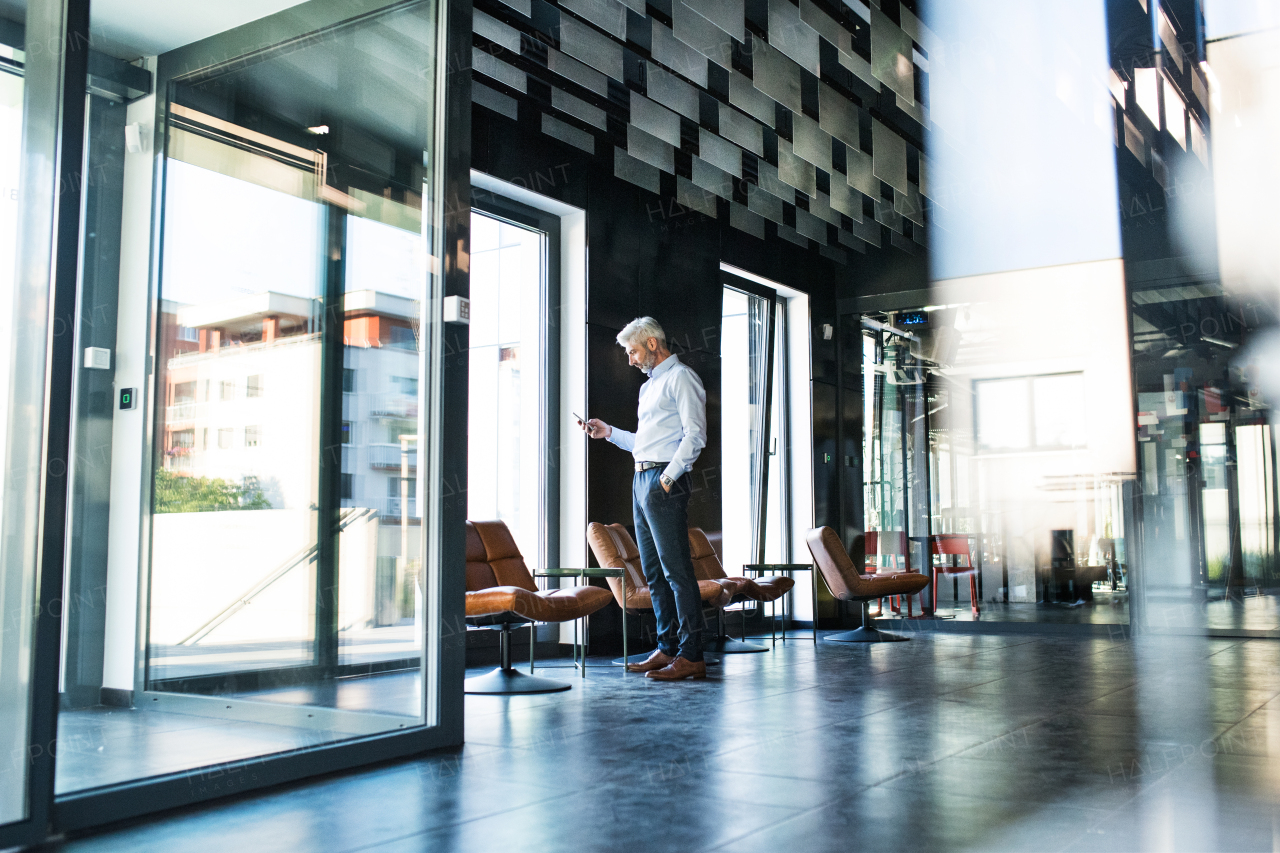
[
  {"x": 622, "y": 438},
  {"x": 691, "y": 404}
]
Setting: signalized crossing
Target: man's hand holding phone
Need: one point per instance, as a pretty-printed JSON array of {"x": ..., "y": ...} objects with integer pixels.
[{"x": 594, "y": 428}]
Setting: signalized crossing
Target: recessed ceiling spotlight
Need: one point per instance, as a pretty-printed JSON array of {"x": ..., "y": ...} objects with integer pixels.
[{"x": 318, "y": 129}]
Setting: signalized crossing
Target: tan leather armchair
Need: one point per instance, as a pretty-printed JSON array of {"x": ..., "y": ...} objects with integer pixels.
[
  {"x": 501, "y": 593},
  {"x": 615, "y": 549},
  {"x": 707, "y": 567},
  {"x": 848, "y": 584}
]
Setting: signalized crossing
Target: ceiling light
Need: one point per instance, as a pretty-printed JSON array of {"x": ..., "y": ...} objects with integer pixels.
[{"x": 318, "y": 129}]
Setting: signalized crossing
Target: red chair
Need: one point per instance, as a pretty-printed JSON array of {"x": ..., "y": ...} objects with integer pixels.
[
  {"x": 894, "y": 545},
  {"x": 951, "y": 546}
]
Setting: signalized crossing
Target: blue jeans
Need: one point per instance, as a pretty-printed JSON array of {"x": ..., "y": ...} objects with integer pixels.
[{"x": 662, "y": 535}]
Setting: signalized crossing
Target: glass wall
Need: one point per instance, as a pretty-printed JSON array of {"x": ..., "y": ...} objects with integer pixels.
[
  {"x": 1021, "y": 433},
  {"x": 1202, "y": 274},
  {"x": 260, "y": 260}
]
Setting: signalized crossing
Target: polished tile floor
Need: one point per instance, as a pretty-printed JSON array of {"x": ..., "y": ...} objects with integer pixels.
[{"x": 948, "y": 742}]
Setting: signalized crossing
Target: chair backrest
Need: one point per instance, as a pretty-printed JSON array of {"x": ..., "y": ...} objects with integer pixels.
[
  {"x": 842, "y": 576},
  {"x": 615, "y": 549},
  {"x": 493, "y": 559},
  {"x": 952, "y": 544},
  {"x": 706, "y": 565}
]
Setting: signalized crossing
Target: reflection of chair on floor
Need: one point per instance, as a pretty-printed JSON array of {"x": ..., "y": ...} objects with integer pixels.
[
  {"x": 894, "y": 545},
  {"x": 615, "y": 549},
  {"x": 848, "y": 584},
  {"x": 951, "y": 547},
  {"x": 502, "y": 593},
  {"x": 706, "y": 566}
]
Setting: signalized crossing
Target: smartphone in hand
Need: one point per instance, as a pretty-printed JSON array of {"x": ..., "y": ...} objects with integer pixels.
[{"x": 580, "y": 418}]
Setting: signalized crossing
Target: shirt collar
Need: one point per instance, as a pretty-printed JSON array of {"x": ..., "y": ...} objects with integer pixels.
[{"x": 666, "y": 364}]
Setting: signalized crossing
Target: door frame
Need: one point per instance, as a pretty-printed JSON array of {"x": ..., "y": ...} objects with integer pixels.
[{"x": 57, "y": 80}]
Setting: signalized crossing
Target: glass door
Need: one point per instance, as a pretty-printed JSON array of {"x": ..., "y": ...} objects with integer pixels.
[
  {"x": 259, "y": 292},
  {"x": 25, "y": 222}
]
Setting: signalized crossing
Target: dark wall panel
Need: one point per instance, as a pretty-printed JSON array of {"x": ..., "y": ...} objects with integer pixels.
[
  {"x": 680, "y": 281},
  {"x": 648, "y": 255},
  {"x": 613, "y": 387},
  {"x": 614, "y": 231}
]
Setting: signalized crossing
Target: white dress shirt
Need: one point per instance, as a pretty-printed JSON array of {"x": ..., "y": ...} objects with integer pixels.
[{"x": 672, "y": 419}]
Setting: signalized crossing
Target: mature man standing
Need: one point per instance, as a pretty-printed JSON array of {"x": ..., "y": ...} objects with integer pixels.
[{"x": 672, "y": 432}]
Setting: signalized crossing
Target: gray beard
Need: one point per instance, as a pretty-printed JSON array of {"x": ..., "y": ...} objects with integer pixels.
[{"x": 649, "y": 363}]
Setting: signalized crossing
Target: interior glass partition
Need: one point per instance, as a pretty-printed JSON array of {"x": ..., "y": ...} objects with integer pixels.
[
  {"x": 259, "y": 330},
  {"x": 1014, "y": 442}
]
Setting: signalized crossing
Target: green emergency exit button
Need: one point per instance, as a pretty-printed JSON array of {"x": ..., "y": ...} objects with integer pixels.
[{"x": 128, "y": 399}]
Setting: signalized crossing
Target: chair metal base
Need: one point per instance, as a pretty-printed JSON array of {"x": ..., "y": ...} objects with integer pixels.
[
  {"x": 511, "y": 682},
  {"x": 506, "y": 680},
  {"x": 727, "y": 646},
  {"x": 866, "y": 635}
]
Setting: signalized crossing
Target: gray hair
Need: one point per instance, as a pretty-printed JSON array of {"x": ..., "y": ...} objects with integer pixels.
[{"x": 642, "y": 328}]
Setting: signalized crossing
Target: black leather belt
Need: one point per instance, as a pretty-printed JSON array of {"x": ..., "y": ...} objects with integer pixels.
[{"x": 646, "y": 466}]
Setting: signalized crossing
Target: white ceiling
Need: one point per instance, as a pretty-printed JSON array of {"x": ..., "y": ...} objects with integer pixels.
[{"x": 129, "y": 29}]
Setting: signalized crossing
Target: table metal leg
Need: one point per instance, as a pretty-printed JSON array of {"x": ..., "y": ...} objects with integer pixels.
[
  {"x": 784, "y": 616},
  {"x": 814, "y": 574}
]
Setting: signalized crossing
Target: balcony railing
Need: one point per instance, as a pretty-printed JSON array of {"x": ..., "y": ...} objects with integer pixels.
[
  {"x": 180, "y": 412},
  {"x": 387, "y": 456},
  {"x": 389, "y": 508}
]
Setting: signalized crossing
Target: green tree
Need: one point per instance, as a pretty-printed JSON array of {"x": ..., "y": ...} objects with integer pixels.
[{"x": 175, "y": 493}]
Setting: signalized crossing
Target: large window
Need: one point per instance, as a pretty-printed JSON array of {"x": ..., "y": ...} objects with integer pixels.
[
  {"x": 764, "y": 423},
  {"x": 749, "y": 427},
  {"x": 509, "y": 373}
]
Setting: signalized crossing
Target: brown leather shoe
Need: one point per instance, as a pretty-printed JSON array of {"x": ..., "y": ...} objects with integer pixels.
[
  {"x": 678, "y": 670},
  {"x": 657, "y": 660}
]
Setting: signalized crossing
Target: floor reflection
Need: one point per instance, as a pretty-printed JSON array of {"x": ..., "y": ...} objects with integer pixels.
[{"x": 947, "y": 742}]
